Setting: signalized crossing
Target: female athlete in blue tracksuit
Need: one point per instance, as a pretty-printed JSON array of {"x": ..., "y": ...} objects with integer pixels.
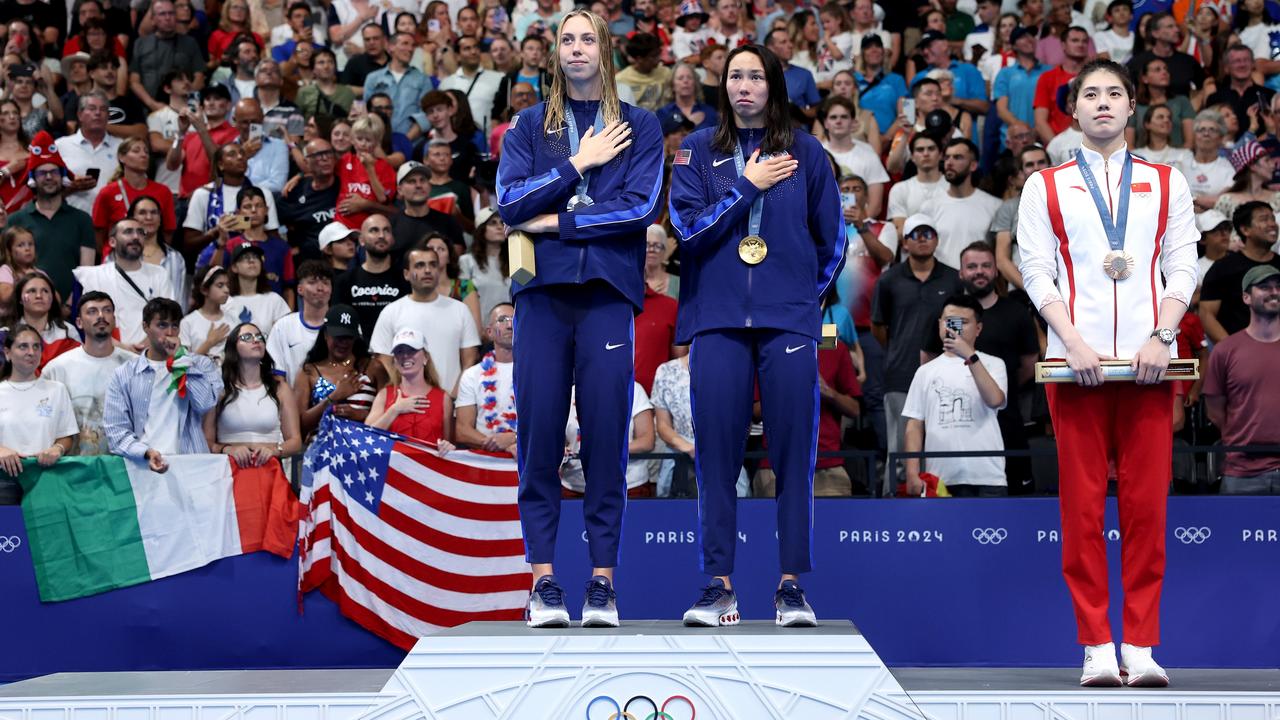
[
  {"x": 760, "y": 243},
  {"x": 582, "y": 173}
]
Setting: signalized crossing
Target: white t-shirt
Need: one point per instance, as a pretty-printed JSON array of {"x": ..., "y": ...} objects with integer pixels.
[
  {"x": 195, "y": 329},
  {"x": 199, "y": 205},
  {"x": 912, "y": 196},
  {"x": 263, "y": 310},
  {"x": 291, "y": 339},
  {"x": 471, "y": 392},
  {"x": 1170, "y": 155},
  {"x": 1258, "y": 38},
  {"x": 86, "y": 378},
  {"x": 80, "y": 156},
  {"x": 482, "y": 91},
  {"x": 165, "y": 122},
  {"x": 687, "y": 44},
  {"x": 152, "y": 280},
  {"x": 861, "y": 161},
  {"x": 855, "y": 246},
  {"x": 960, "y": 221},
  {"x": 164, "y": 413},
  {"x": 33, "y": 414},
  {"x": 1209, "y": 178},
  {"x": 571, "y": 475},
  {"x": 945, "y": 397},
  {"x": 445, "y": 323},
  {"x": 1120, "y": 48},
  {"x": 1063, "y": 145}
]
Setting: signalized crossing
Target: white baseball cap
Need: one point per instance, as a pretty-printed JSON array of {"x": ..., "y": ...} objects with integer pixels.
[
  {"x": 410, "y": 338},
  {"x": 411, "y": 167},
  {"x": 333, "y": 232},
  {"x": 917, "y": 221},
  {"x": 1210, "y": 220}
]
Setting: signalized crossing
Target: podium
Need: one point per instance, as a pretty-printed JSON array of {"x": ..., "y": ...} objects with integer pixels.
[{"x": 754, "y": 670}]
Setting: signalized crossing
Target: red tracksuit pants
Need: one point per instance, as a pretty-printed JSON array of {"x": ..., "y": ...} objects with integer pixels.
[{"x": 1132, "y": 425}]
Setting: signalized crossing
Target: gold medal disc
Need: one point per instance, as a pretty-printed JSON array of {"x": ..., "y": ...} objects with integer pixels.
[{"x": 752, "y": 249}]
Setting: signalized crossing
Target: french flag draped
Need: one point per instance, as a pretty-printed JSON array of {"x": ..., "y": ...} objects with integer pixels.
[{"x": 406, "y": 542}]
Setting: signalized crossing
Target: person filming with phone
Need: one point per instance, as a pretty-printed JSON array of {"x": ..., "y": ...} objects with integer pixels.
[{"x": 952, "y": 405}]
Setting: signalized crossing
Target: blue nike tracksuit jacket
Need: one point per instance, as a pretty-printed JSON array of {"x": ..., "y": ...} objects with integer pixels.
[
  {"x": 575, "y": 318},
  {"x": 750, "y": 323}
]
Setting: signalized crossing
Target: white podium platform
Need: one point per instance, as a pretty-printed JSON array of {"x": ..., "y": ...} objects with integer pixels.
[{"x": 756, "y": 671}]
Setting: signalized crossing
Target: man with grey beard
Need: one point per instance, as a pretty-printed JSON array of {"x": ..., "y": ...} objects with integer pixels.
[{"x": 129, "y": 281}]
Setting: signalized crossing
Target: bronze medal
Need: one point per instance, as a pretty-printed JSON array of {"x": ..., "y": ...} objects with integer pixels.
[
  {"x": 1118, "y": 265},
  {"x": 752, "y": 249}
]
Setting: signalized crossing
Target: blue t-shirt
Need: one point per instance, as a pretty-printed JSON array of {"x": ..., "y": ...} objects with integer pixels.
[
  {"x": 802, "y": 91},
  {"x": 881, "y": 97}
]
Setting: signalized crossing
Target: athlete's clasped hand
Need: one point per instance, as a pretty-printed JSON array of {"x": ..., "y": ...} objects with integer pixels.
[
  {"x": 764, "y": 174},
  {"x": 1086, "y": 364},
  {"x": 596, "y": 150}
]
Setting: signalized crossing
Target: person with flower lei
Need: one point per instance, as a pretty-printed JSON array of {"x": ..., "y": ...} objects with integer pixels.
[{"x": 486, "y": 404}]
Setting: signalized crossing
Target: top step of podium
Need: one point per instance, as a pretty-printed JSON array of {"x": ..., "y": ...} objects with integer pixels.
[{"x": 647, "y": 627}]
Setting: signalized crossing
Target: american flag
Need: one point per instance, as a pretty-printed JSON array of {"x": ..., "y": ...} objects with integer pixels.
[{"x": 407, "y": 542}]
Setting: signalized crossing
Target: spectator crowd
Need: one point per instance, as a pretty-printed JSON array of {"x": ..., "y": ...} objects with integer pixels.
[{"x": 225, "y": 218}]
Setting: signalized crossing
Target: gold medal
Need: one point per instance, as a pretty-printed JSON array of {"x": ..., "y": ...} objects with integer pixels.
[
  {"x": 1118, "y": 265},
  {"x": 752, "y": 249}
]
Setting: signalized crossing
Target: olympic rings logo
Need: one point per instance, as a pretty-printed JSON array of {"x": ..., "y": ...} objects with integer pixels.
[
  {"x": 990, "y": 536},
  {"x": 1192, "y": 535},
  {"x": 659, "y": 712},
  {"x": 10, "y": 543}
]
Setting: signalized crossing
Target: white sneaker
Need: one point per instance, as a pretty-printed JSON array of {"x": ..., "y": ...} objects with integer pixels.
[
  {"x": 1100, "y": 669},
  {"x": 1142, "y": 670}
]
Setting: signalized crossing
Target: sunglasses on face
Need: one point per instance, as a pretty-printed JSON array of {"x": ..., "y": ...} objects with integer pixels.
[{"x": 251, "y": 337}]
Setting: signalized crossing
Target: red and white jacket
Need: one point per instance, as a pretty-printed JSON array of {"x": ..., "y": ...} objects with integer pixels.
[{"x": 1062, "y": 245}]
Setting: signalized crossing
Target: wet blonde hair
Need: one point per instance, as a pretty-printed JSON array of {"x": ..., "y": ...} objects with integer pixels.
[{"x": 610, "y": 106}]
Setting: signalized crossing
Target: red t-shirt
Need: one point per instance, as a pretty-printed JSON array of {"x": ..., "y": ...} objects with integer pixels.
[
  {"x": 835, "y": 367},
  {"x": 1047, "y": 96},
  {"x": 353, "y": 179},
  {"x": 196, "y": 168},
  {"x": 655, "y": 334},
  {"x": 113, "y": 202},
  {"x": 73, "y": 46},
  {"x": 221, "y": 39}
]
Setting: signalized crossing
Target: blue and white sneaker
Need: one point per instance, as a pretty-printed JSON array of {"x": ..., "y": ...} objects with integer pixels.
[
  {"x": 601, "y": 606},
  {"x": 718, "y": 606},
  {"x": 793, "y": 609},
  {"x": 546, "y": 605}
]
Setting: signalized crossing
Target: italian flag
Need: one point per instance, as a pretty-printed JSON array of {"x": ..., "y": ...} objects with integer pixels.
[{"x": 99, "y": 523}]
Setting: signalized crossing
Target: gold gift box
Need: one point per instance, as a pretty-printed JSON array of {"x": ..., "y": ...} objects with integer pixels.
[{"x": 520, "y": 249}]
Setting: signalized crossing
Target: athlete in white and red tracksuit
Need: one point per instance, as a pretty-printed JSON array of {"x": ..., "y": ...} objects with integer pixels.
[{"x": 1063, "y": 243}]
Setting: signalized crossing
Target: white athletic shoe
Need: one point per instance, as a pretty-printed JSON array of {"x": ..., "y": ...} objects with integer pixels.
[
  {"x": 1100, "y": 668},
  {"x": 1141, "y": 669}
]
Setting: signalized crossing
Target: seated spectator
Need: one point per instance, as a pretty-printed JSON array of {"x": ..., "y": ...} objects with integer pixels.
[
  {"x": 86, "y": 370},
  {"x": 366, "y": 182},
  {"x": 1152, "y": 90},
  {"x": 204, "y": 330},
  {"x": 129, "y": 281},
  {"x": 646, "y": 76},
  {"x": 277, "y": 256},
  {"x": 35, "y": 305},
  {"x": 1239, "y": 391},
  {"x": 522, "y": 96},
  {"x": 128, "y": 184},
  {"x": 211, "y": 202},
  {"x": 414, "y": 404},
  {"x": 864, "y": 126},
  {"x": 252, "y": 299},
  {"x": 1222, "y": 311},
  {"x": 446, "y": 323},
  {"x": 486, "y": 266},
  {"x": 14, "y": 192},
  {"x": 325, "y": 96},
  {"x": 486, "y": 405},
  {"x": 337, "y": 244},
  {"x": 451, "y": 283},
  {"x": 1208, "y": 173},
  {"x": 64, "y": 234},
  {"x": 1157, "y": 126},
  {"x": 24, "y": 81},
  {"x": 657, "y": 252},
  {"x": 293, "y": 335},
  {"x": 802, "y": 89},
  {"x": 337, "y": 372},
  {"x": 1116, "y": 41},
  {"x": 640, "y": 434},
  {"x": 838, "y": 388},
  {"x": 36, "y": 417},
  {"x": 146, "y": 414},
  {"x": 1215, "y": 239},
  {"x": 256, "y": 418},
  {"x": 952, "y": 405},
  {"x": 417, "y": 218},
  {"x": 17, "y": 258},
  {"x": 1185, "y": 74},
  {"x": 687, "y": 102}
]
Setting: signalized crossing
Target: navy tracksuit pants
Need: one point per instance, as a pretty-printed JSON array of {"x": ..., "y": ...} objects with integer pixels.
[
  {"x": 566, "y": 334},
  {"x": 724, "y": 365}
]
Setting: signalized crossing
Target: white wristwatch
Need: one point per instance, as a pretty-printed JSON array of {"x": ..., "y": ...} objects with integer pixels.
[{"x": 1164, "y": 335}]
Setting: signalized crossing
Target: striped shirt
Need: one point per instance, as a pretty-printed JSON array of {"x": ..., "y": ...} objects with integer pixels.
[{"x": 128, "y": 403}]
